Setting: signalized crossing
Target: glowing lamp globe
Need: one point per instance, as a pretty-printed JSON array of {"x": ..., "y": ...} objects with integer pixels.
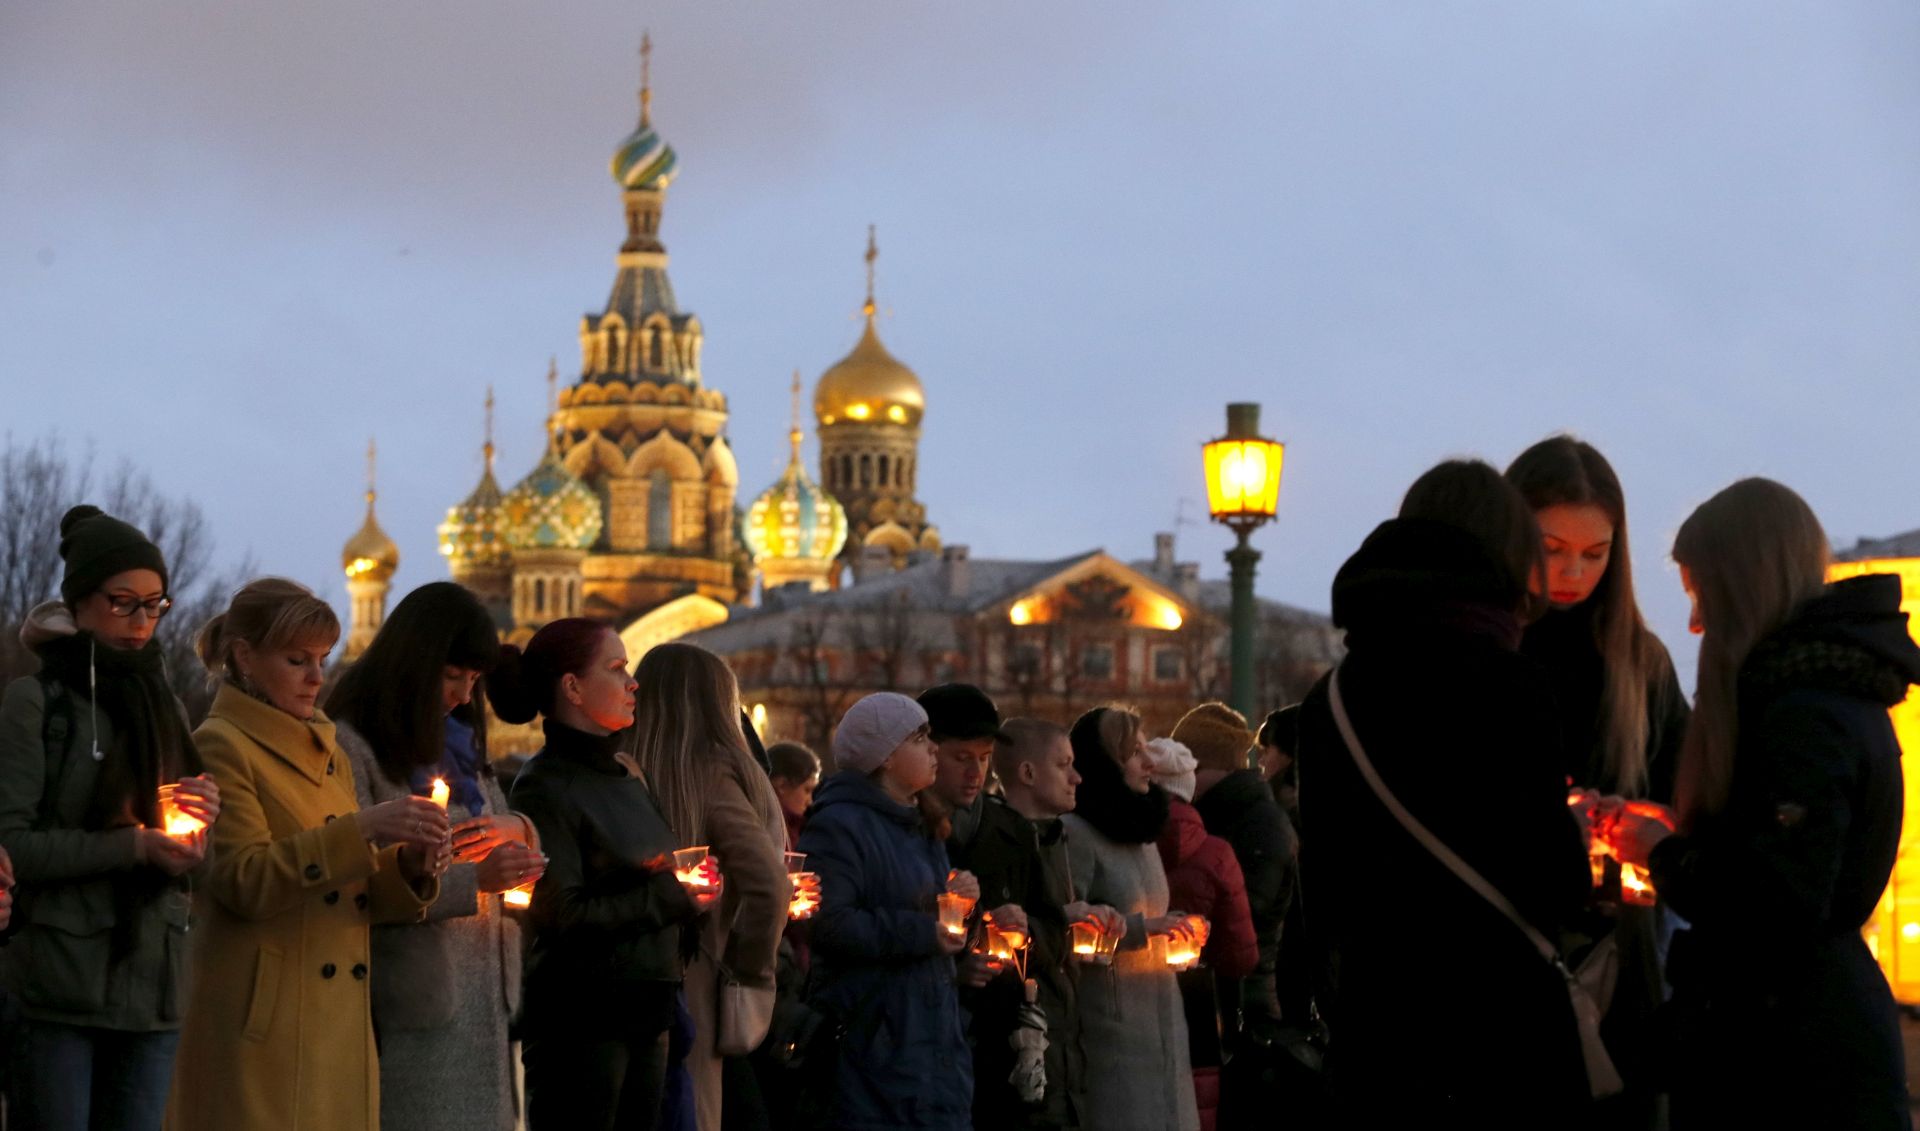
[{"x": 1243, "y": 470}]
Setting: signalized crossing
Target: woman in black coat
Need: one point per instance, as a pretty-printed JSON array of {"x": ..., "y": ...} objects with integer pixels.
[
  {"x": 1443, "y": 1014},
  {"x": 1790, "y": 800},
  {"x": 604, "y": 970}
]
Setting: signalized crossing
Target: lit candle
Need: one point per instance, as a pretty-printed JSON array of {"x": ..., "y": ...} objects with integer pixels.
[
  {"x": 806, "y": 896},
  {"x": 521, "y": 896},
  {"x": 1090, "y": 944},
  {"x": 173, "y": 822},
  {"x": 1634, "y": 887},
  {"x": 690, "y": 867},
  {"x": 953, "y": 913},
  {"x": 440, "y": 792}
]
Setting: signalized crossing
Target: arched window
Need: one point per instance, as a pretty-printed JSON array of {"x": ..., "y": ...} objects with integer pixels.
[
  {"x": 539, "y": 595},
  {"x": 866, "y": 470},
  {"x": 655, "y": 352},
  {"x": 659, "y": 510},
  {"x": 846, "y": 471},
  {"x": 614, "y": 361},
  {"x": 883, "y": 470}
]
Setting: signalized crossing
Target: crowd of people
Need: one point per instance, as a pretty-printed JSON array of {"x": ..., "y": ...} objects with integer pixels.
[{"x": 1493, "y": 870}]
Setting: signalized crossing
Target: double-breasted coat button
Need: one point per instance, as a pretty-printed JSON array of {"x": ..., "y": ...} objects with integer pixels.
[
  {"x": 333, "y": 897},
  {"x": 331, "y": 818},
  {"x": 329, "y": 765},
  {"x": 360, "y": 971},
  {"x": 360, "y": 901},
  {"x": 327, "y": 971},
  {"x": 313, "y": 871}
]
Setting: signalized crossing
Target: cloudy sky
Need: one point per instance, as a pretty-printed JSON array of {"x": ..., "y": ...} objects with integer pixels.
[{"x": 237, "y": 239}]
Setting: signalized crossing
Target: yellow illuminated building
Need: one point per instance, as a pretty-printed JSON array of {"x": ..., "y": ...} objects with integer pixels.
[{"x": 1893, "y": 933}]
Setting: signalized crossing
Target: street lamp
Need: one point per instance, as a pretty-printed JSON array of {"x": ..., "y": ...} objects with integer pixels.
[{"x": 1243, "y": 491}]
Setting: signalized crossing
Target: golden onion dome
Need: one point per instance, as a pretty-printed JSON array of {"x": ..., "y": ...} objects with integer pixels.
[
  {"x": 369, "y": 553},
  {"x": 869, "y": 386}
]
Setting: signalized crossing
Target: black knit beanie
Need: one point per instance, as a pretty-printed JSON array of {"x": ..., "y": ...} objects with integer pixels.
[{"x": 95, "y": 545}]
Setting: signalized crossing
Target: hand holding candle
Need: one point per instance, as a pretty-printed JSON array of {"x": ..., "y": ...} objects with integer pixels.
[
  {"x": 699, "y": 873},
  {"x": 1631, "y": 829},
  {"x": 195, "y": 799},
  {"x": 440, "y": 793},
  {"x": 175, "y": 821},
  {"x": 806, "y": 895}
]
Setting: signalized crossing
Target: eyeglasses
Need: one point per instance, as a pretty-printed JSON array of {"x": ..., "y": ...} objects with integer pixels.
[{"x": 123, "y": 606}]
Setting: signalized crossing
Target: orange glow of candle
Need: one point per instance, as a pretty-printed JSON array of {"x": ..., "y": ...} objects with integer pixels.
[
  {"x": 806, "y": 896},
  {"x": 173, "y": 822},
  {"x": 521, "y": 896},
  {"x": 440, "y": 792},
  {"x": 693, "y": 867},
  {"x": 953, "y": 913},
  {"x": 1634, "y": 887}
]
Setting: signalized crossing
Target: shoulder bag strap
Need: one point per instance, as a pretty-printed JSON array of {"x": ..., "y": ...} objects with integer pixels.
[{"x": 1603, "y": 1079}]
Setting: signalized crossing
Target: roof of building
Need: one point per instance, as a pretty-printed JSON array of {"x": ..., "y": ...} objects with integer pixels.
[
  {"x": 924, "y": 590},
  {"x": 1899, "y": 546}
]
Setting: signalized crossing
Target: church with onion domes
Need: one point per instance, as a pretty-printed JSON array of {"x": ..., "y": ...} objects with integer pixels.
[{"x": 633, "y": 513}]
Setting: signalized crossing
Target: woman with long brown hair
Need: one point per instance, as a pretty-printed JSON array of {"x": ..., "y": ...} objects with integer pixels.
[
  {"x": 279, "y": 1032},
  {"x": 689, "y": 744},
  {"x": 1622, "y": 713},
  {"x": 444, "y": 991},
  {"x": 1789, "y": 807},
  {"x": 1622, "y": 716}
]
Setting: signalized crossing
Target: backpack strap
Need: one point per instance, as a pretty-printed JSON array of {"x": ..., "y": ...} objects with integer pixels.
[{"x": 56, "y": 733}]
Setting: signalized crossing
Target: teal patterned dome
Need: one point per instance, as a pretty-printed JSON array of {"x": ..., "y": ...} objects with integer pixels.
[
  {"x": 551, "y": 509},
  {"x": 644, "y": 160},
  {"x": 475, "y": 532},
  {"x": 795, "y": 519}
]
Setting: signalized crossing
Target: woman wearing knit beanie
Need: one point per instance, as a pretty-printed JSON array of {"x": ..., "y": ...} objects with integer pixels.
[
  {"x": 1238, "y": 806},
  {"x": 1133, "y": 1022},
  {"x": 98, "y": 969}
]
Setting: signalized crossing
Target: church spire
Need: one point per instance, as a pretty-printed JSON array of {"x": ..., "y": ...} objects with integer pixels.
[
  {"x": 487, "y": 447},
  {"x": 646, "y": 79},
  {"x": 794, "y": 432},
  {"x": 372, "y": 456},
  {"x": 873, "y": 253}
]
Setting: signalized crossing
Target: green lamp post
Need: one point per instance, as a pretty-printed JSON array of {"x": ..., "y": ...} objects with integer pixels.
[{"x": 1243, "y": 491}]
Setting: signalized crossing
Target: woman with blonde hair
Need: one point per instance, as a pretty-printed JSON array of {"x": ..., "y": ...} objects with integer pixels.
[
  {"x": 688, "y": 743},
  {"x": 279, "y": 1032},
  {"x": 1790, "y": 801}
]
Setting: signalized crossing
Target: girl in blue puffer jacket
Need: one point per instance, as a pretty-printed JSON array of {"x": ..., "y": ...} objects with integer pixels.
[{"x": 882, "y": 967}]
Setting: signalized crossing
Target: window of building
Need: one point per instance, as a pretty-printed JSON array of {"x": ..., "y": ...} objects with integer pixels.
[
  {"x": 539, "y": 595},
  {"x": 1096, "y": 661},
  {"x": 1167, "y": 667},
  {"x": 659, "y": 511}
]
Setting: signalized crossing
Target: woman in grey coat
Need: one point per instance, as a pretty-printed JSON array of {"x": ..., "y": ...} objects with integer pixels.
[
  {"x": 443, "y": 991},
  {"x": 1133, "y": 1025}
]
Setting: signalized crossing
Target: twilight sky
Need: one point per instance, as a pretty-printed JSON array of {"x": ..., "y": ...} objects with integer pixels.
[{"x": 237, "y": 239}]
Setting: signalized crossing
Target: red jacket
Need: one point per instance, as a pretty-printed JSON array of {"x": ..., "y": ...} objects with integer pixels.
[{"x": 1204, "y": 879}]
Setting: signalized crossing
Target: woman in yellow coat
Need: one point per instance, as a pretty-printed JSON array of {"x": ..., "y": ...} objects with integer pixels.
[{"x": 279, "y": 1031}]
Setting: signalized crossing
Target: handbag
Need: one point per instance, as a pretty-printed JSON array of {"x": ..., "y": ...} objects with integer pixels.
[
  {"x": 744, "y": 1014},
  {"x": 1603, "y": 1079}
]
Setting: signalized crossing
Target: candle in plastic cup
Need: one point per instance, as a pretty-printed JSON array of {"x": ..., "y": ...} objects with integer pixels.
[
  {"x": 806, "y": 896},
  {"x": 796, "y": 863},
  {"x": 953, "y": 913},
  {"x": 690, "y": 867},
  {"x": 1090, "y": 944},
  {"x": 173, "y": 822},
  {"x": 440, "y": 792},
  {"x": 1634, "y": 887},
  {"x": 521, "y": 896},
  {"x": 1597, "y": 863}
]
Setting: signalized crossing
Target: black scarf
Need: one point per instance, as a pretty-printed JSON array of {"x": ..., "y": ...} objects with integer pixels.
[
  {"x": 1103, "y": 799},
  {"x": 150, "y": 744}
]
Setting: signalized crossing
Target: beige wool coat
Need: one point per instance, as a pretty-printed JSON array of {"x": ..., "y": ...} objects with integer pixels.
[
  {"x": 750, "y": 841},
  {"x": 279, "y": 1033}
]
